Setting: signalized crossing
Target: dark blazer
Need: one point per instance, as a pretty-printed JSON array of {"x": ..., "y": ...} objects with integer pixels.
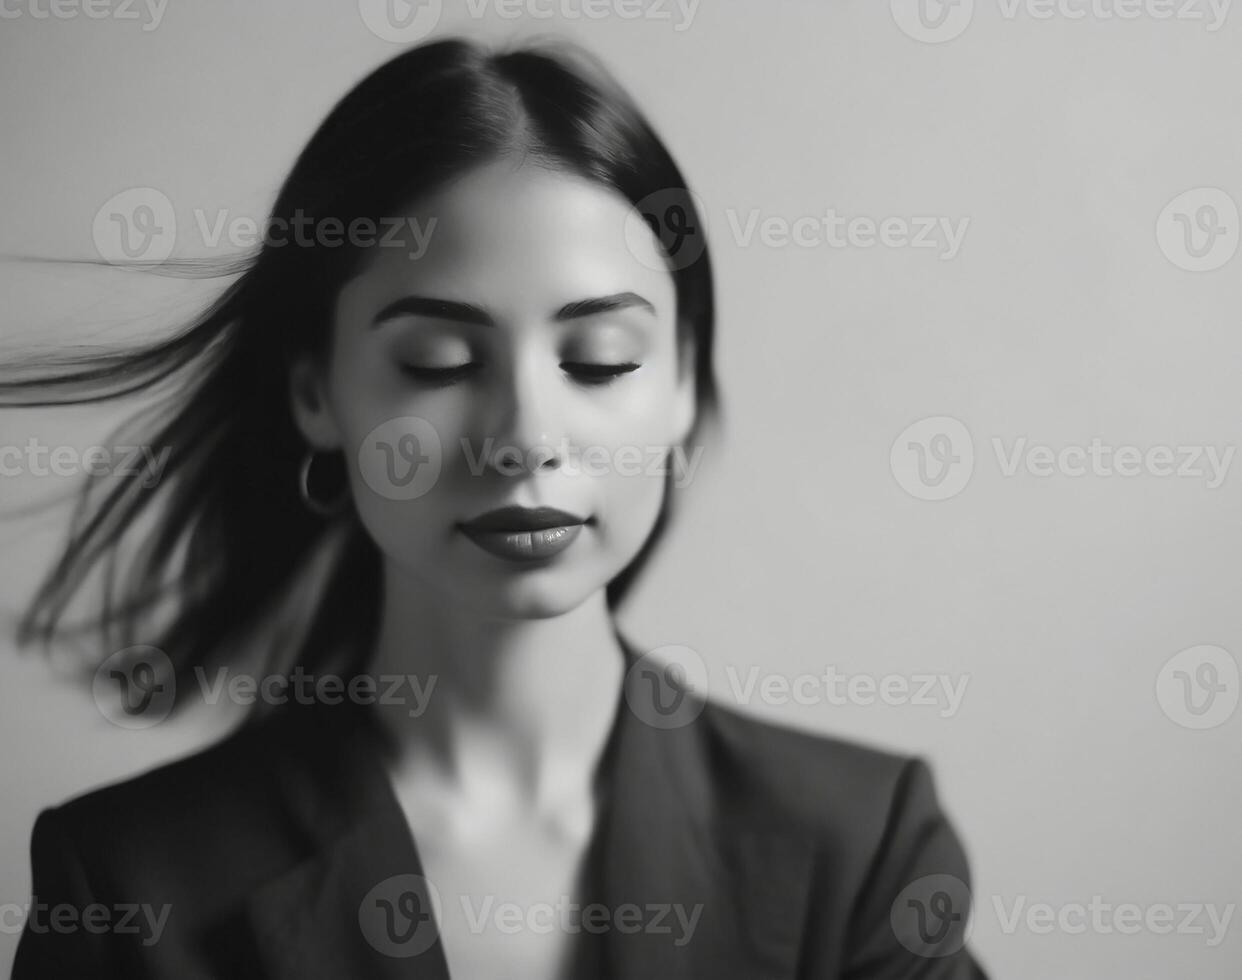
[{"x": 809, "y": 857}]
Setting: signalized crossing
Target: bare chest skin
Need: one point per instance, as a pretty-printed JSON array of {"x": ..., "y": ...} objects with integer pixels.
[{"x": 504, "y": 875}]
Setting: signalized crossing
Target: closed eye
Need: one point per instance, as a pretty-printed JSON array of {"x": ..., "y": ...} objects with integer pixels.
[
  {"x": 582, "y": 372},
  {"x": 439, "y": 375},
  {"x": 598, "y": 374}
]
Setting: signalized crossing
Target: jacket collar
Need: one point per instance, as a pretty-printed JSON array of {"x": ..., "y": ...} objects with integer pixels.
[{"x": 720, "y": 888}]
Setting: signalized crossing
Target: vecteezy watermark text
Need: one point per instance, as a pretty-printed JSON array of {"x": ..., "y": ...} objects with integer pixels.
[
  {"x": 836, "y": 688},
  {"x": 1098, "y": 459},
  {"x": 401, "y": 458},
  {"x": 90, "y": 9},
  {"x": 833, "y": 230},
  {"x": 1105, "y": 918},
  {"x": 938, "y": 21},
  {"x": 405, "y": 21},
  {"x": 123, "y": 919},
  {"x": 565, "y": 915},
  {"x": 137, "y": 687},
  {"x": 399, "y": 917},
  {"x": 37, "y": 459},
  {"x": 935, "y": 458},
  {"x": 587, "y": 460},
  {"x": 140, "y": 225},
  {"x": 305, "y": 688}
]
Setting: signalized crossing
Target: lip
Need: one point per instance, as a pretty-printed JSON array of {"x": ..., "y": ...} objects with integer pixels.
[
  {"x": 524, "y": 534},
  {"x": 523, "y": 519}
]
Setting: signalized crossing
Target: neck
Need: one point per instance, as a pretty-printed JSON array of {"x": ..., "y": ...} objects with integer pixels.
[{"x": 525, "y": 701}]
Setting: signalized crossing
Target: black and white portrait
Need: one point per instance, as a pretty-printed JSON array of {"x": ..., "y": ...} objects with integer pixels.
[{"x": 633, "y": 489}]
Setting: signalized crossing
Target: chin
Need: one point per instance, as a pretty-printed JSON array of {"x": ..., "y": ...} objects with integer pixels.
[{"x": 530, "y": 599}]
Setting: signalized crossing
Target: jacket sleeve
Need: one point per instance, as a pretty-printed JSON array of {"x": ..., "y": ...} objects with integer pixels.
[
  {"x": 912, "y": 916},
  {"x": 65, "y": 930}
]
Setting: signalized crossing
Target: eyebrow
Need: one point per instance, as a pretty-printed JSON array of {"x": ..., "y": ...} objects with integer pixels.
[
  {"x": 447, "y": 309},
  {"x": 604, "y": 304}
]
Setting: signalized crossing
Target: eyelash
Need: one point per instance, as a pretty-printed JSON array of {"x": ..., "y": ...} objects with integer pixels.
[{"x": 592, "y": 375}]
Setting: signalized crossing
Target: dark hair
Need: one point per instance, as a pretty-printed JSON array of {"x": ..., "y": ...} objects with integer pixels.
[{"x": 233, "y": 539}]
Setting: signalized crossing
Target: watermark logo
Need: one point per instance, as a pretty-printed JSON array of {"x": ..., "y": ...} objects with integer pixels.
[
  {"x": 933, "y": 459},
  {"x": 401, "y": 459},
  {"x": 1198, "y": 687},
  {"x": 1198, "y": 230},
  {"x": 398, "y": 916},
  {"x": 676, "y": 217},
  {"x": 136, "y": 225},
  {"x": 931, "y": 916},
  {"x": 135, "y": 687},
  {"x": 400, "y": 21},
  {"x": 665, "y": 687},
  {"x": 933, "y": 21},
  {"x": 139, "y": 225}
]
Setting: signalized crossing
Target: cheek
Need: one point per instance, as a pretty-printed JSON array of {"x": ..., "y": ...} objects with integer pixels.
[
  {"x": 400, "y": 526},
  {"x": 626, "y": 463},
  {"x": 629, "y": 505},
  {"x": 640, "y": 413},
  {"x": 397, "y": 454}
]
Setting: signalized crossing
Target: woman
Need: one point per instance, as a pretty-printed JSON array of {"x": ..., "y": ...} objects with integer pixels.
[{"x": 483, "y": 288}]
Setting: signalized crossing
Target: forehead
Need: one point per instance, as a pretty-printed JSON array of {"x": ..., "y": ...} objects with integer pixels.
[{"x": 518, "y": 238}]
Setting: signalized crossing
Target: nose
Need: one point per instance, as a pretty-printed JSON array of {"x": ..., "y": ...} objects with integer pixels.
[{"x": 529, "y": 436}]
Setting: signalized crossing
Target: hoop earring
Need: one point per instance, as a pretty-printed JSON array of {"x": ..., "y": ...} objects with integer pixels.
[{"x": 330, "y": 508}]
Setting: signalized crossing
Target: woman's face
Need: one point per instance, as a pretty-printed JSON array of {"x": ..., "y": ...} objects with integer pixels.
[{"x": 518, "y": 349}]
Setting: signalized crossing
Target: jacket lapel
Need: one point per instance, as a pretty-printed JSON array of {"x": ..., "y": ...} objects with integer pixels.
[
  {"x": 735, "y": 884},
  {"x": 357, "y": 906},
  {"x": 720, "y": 887}
]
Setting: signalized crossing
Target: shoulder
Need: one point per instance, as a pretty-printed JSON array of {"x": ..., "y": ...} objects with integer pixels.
[
  {"x": 203, "y": 814},
  {"x": 874, "y": 815},
  {"x": 183, "y": 844},
  {"x": 883, "y": 847},
  {"x": 816, "y": 780},
  {"x": 240, "y": 759}
]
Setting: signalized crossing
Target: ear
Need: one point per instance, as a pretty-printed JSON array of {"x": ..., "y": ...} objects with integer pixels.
[
  {"x": 309, "y": 403},
  {"x": 684, "y": 407}
]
